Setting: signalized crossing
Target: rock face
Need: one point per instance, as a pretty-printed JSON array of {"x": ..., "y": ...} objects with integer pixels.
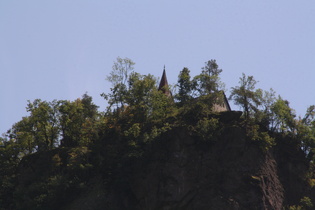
[
  {"x": 227, "y": 174},
  {"x": 180, "y": 171}
]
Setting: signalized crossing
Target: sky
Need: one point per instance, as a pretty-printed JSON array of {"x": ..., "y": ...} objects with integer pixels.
[{"x": 63, "y": 49}]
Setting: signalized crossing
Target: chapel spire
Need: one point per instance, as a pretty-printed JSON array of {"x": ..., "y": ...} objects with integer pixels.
[{"x": 164, "y": 85}]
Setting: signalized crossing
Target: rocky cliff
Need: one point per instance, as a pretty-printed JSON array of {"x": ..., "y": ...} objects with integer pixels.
[
  {"x": 180, "y": 171},
  {"x": 231, "y": 173}
]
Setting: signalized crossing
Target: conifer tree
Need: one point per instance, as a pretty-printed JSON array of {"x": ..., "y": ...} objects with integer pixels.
[
  {"x": 185, "y": 86},
  {"x": 246, "y": 95}
]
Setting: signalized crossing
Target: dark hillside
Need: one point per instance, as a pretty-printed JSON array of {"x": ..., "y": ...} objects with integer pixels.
[
  {"x": 153, "y": 149},
  {"x": 177, "y": 171}
]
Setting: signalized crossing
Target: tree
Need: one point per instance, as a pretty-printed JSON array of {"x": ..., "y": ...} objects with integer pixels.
[
  {"x": 140, "y": 88},
  {"x": 185, "y": 86},
  {"x": 21, "y": 134},
  {"x": 89, "y": 108},
  {"x": 309, "y": 116},
  {"x": 44, "y": 122},
  {"x": 305, "y": 131},
  {"x": 211, "y": 68},
  {"x": 284, "y": 116},
  {"x": 246, "y": 96},
  {"x": 78, "y": 121},
  {"x": 39, "y": 131},
  {"x": 119, "y": 77},
  {"x": 144, "y": 101},
  {"x": 208, "y": 81},
  {"x": 264, "y": 115}
]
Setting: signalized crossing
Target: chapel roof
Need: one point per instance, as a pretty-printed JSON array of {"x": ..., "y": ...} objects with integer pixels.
[{"x": 164, "y": 84}]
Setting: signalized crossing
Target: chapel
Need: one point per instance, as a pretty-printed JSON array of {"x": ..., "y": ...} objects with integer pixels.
[{"x": 218, "y": 107}]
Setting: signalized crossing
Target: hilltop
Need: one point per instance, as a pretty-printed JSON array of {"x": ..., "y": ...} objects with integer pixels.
[{"x": 154, "y": 148}]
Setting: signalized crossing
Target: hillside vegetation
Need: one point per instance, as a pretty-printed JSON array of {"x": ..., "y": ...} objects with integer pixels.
[{"x": 151, "y": 150}]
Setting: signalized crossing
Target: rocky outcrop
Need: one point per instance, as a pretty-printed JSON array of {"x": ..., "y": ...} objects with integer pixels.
[
  {"x": 181, "y": 171},
  {"x": 230, "y": 173}
]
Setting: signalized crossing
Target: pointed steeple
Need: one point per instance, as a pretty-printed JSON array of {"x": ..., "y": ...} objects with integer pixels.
[{"x": 164, "y": 84}]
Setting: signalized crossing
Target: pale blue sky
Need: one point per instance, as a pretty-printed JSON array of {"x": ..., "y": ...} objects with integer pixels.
[{"x": 62, "y": 49}]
